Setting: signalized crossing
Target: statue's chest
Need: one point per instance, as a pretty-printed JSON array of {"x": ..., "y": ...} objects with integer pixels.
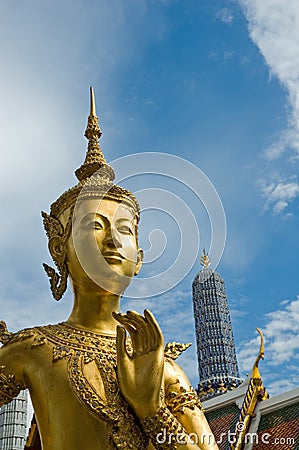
[{"x": 91, "y": 366}]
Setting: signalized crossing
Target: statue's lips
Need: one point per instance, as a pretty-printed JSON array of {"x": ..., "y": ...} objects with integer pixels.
[{"x": 112, "y": 256}]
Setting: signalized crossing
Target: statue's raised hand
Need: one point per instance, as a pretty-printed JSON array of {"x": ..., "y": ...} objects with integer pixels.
[{"x": 140, "y": 374}]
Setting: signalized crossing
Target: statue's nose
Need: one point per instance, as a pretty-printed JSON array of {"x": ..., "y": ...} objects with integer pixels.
[{"x": 110, "y": 240}]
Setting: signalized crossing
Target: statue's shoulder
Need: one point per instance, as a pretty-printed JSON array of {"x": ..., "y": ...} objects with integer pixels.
[
  {"x": 172, "y": 371},
  {"x": 9, "y": 338},
  {"x": 14, "y": 356}
]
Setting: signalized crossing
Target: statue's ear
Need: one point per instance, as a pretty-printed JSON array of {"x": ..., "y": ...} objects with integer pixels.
[
  {"x": 140, "y": 255},
  {"x": 57, "y": 249},
  {"x": 55, "y": 233}
]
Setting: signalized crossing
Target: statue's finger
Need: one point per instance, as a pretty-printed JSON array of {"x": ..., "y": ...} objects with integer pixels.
[
  {"x": 137, "y": 320},
  {"x": 122, "y": 354},
  {"x": 139, "y": 342},
  {"x": 142, "y": 330},
  {"x": 154, "y": 329}
]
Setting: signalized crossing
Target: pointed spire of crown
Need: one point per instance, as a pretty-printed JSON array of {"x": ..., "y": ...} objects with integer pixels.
[
  {"x": 205, "y": 260},
  {"x": 93, "y": 129},
  {"x": 95, "y": 158},
  {"x": 92, "y": 103}
]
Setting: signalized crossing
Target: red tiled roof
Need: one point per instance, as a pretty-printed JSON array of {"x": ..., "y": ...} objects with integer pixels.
[
  {"x": 221, "y": 422},
  {"x": 279, "y": 429}
]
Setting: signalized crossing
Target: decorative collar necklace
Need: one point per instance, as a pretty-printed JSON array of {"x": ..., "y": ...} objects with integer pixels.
[{"x": 85, "y": 330}]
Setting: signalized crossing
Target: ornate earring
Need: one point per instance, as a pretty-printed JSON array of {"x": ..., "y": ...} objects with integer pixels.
[
  {"x": 55, "y": 231},
  {"x": 58, "y": 282}
]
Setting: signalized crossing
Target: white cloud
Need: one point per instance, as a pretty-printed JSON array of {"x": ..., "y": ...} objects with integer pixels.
[
  {"x": 281, "y": 332},
  {"x": 225, "y": 15},
  {"x": 284, "y": 385},
  {"x": 287, "y": 139},
  {"x": 247, "y": 354},
  {"x": 274, "y": 28},
  {"x": 279, "y": 194}
]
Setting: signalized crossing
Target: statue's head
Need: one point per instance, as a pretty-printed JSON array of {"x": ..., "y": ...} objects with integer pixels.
[{"x": 93, "y": 227}]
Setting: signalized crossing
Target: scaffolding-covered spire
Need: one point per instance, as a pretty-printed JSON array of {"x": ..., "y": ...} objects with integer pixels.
[{"x": 217, "y": 362}]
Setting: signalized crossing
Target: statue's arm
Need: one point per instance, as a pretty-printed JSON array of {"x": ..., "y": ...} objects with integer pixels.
[
  {"x": 185, "y": 405},
  {"x": 11, "y": 370}
]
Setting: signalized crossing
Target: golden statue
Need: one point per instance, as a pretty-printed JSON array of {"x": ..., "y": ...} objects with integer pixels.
[{"x": 101, "y": 379}]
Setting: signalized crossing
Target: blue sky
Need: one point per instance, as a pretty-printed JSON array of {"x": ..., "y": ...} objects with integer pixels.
[{"x": 215, "y": 83}]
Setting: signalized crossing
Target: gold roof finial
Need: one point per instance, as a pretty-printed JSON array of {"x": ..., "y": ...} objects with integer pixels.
[
  {"x": 255, "y": 393},
  {"x": 255, "y": 370},
  {"x": 95, "y": 158},
  {"x": 205, "y": 260}
]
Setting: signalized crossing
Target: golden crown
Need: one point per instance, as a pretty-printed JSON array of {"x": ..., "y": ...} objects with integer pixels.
[{"x": 95, "y": 175}]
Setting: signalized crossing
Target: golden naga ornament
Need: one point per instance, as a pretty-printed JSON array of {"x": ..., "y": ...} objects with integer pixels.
[{"x": 101, "y": 379}]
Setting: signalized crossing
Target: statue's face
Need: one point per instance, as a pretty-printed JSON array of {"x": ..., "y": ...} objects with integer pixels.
[{"x": 102, "y": 251}]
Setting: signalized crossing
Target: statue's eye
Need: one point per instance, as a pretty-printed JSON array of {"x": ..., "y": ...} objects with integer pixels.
[
  {"x": 125, "y": 229},
  {"x": 95, "y": 225}
]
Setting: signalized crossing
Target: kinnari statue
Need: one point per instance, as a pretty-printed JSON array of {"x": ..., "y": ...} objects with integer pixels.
[{"x": 101, "y": 379}]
